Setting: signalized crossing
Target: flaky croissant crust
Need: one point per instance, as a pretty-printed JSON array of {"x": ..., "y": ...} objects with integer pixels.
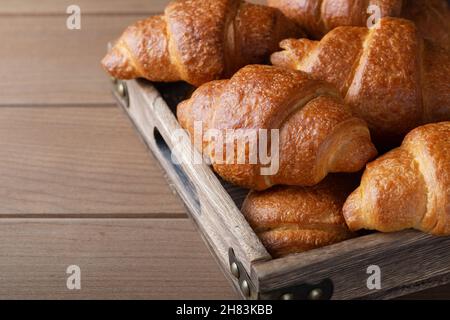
[
  {"x": 432, "y": 17},
  {"x": 317, "y": 133},
  {"x": 198, "y": 41},
  {"x": 318, "y": 17},
  {"x": 409, "y": 187},
  {"x": 388, "y": 75},
  {"x": 296, "y": 219}
]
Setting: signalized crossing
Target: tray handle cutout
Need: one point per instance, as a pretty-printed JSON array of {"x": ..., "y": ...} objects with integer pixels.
[{"x": 189, "y": 191}]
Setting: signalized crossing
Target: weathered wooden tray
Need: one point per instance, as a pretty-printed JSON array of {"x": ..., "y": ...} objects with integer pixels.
[{"x": 410, "y": 261}]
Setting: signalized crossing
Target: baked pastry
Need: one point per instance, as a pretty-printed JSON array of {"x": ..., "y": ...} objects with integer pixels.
[
  {"x": 319, "y": 17},
  {"x": 388, "y": 75},
  {"x": 409, "y": 187},
  {"x": 317, "y": 134},
  {"x": 198, "y": 41},
  {"x": 296, "y": 219},
  {"x": 432, "y": 17}
]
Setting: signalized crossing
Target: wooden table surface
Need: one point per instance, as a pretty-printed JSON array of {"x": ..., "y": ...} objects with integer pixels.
[{"x": 77, "y": 186}]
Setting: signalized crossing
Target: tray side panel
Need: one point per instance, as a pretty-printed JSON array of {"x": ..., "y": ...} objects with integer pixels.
[{"x": 408, "y": 262}]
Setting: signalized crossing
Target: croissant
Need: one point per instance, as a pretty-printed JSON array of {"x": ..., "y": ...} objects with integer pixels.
[
  {"x": 388, "y": 75},
  {"x": 409, "y": 187},
  {"x": 432, "y": 18},
  {"x": 199, "y": 41},
  {"x": 316, "y": 132},
  {"x": 317, "y": 18},
  {"x": 296, "y": 219}
]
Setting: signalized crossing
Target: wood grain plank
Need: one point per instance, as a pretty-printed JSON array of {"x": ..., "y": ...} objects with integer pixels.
[
  {"x": 45, "y": 63},
  {"x": 87, "y": 6},
  {"x": 78, "y": 161},
  {"x": 119, "y": 258},
  {"x": 410, "y": 261},
  {"x": 29, "y": 7},
  {"x": 438, "y": 293}
]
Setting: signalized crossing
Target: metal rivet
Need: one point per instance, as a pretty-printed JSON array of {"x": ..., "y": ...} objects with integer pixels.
[
  {"x": 287, "y": 296},
  {"x": 121, "y": 89},
  {"x": 245, "y": 288},
  {"x": 234, "y": 269},
  {"x": 315, "y": 294}
]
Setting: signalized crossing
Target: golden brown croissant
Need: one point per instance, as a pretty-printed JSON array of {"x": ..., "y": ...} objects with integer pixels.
[
  {"x": 319, "y": 17},
  {"x": 432, "y": 17},
  {"x": 388, "y": 75},
  {"x": 317, "y": 132},
  {"x": 198, "y": 41},
  {"x": 296, "y": 219},
  {"x": 409, "y": 187}
]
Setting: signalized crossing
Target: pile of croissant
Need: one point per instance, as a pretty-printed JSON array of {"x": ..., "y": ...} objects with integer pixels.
[{"x": 339, "y": 91}]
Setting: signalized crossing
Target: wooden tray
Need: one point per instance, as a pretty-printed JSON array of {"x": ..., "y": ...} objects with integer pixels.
[{"x": 410, "y": 261}]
